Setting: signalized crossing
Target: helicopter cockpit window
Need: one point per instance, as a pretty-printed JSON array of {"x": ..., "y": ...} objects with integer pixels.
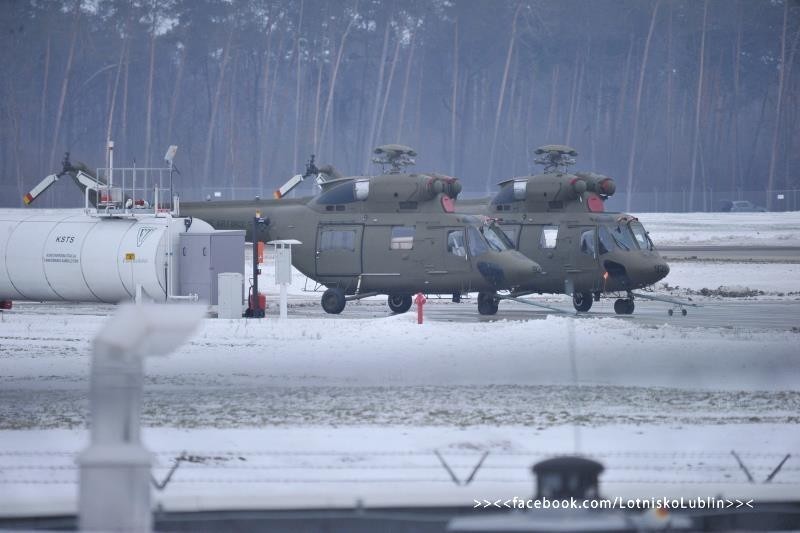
[
  {"x": 622, "y": 235},
  {"x": 641, "y": 236},
  {"x": 402, "y": 238},
  {"x": 477, "y": 244},
  {"x": 605, "y": 239},
  {"x": 339, "y": 194},
  {"x": 455, "y": 243},
  {"x": 337, "y": 240},
  {"x": 496, "y": 239},
  {"x": 549, "y": 237},
  {"x": 587, "y": 242}
]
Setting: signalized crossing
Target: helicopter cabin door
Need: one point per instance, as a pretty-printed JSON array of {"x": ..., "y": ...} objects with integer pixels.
[
  {"x": 583, "y": 254},
  {"x": 339, "y": 249}
]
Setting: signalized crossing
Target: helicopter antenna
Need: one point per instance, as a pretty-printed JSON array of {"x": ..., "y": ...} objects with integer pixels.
[
  {"x": 555, "y": 158},
  {"x": 396, "y": 156},
  {"x": 311, "y": 168}
]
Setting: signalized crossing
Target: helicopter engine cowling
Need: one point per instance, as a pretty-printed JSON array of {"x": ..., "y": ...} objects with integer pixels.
[
  {"x": 578, "y": 185},
  {"x": 598, "y": 183},
  {"x": 439, "y": 184}
]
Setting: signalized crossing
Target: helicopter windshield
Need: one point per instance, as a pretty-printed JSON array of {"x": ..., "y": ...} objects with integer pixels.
[
  {"x": 622, "y": 236},
  {"x": 642, "y": 239},
  {"x": 498, "y": 241}
]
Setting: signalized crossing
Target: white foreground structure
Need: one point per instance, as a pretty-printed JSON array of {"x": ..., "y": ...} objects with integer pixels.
[{"x": 115, "y": 469}]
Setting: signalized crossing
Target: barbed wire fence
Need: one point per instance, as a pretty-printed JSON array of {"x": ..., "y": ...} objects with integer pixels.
[{"x": 454, "y": 467}]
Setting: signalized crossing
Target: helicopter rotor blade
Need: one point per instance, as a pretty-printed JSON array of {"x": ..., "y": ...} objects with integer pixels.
[{"x": 42, "y": 186}]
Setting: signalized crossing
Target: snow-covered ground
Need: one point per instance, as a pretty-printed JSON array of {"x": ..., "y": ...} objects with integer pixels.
[
  {"x": 325, "y": 411},
  {"x": 394, "y": 466},
  {"x": 771, "y": 279},
  {"x": 359, "y": 405},
  {"x": 723, "y": 229}
]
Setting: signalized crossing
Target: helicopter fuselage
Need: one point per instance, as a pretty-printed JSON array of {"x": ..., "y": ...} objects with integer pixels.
[
  {"x": 559, "y": 221},
  {"x": 399, "y": 240}
]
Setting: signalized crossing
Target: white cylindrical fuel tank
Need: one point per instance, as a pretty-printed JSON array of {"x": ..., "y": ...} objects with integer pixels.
[{"x": 69, "y": 255}]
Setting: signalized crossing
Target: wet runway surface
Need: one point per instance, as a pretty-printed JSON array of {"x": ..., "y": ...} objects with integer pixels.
[
  {"x": 777, "y": 314},
  {"x": 722, "y": 313}
]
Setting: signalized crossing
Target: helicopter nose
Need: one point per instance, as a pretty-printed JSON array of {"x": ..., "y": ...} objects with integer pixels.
[
  {"x": 660, "y": 269},
  {"x": 508, "y": 270},
  {"x": 653, "y": 272}
]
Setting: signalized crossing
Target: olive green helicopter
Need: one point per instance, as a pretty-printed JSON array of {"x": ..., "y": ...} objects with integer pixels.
[
  {"x": 558, "y": 219},
  {"x": 395, "y": 233}
]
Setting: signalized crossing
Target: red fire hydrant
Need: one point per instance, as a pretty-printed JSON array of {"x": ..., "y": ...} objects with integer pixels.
[{"x": 420, "y": 301}]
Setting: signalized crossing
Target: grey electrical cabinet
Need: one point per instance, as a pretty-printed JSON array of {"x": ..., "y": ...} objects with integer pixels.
[{"x": 203, "y": 256}]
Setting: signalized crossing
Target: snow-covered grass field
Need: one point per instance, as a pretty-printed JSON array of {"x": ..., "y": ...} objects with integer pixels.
[
  {"x": 357, "y": 419},
  {"x": 396, "y": 466},
  {"x": 771, "y": 279},
  {"x": 723, "y": 229},
  {"x": 360, "y": 404}
]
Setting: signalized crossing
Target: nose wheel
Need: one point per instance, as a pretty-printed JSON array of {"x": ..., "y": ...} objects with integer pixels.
[
  {"x": 670, "y": 312},
  {"x": 624, "y": 306},
  {"x": 487, "y": 303}
]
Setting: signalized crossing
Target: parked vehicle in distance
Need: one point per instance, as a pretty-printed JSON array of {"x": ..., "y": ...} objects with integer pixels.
[{"x": 740, "y": 206}]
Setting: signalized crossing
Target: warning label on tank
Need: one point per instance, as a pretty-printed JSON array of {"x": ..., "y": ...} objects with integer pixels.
[{"x": 61, "y": 258}]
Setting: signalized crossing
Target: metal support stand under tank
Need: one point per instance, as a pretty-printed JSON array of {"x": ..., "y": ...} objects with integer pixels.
[{"x": 114, "y": 491}]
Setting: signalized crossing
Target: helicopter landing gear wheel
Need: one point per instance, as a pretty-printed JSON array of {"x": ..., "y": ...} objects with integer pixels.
[
  {"x": 487, "y": 303},
  {"x": 624, "y": 306},
  {"x": 333, "y": 301},
  {"x": 399, "y": 303},
  {"x": 582, "y": 301}
]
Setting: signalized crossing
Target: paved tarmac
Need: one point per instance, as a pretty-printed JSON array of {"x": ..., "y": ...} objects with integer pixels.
[
  {"x": 760, "y": 254},
  {"x": 714, "y": 313},
  {"x": 773, "y": 314}
]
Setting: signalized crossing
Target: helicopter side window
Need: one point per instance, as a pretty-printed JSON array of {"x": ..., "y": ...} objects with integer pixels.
[
  {"x": 587, "y": 242},
  {"x": 477, "y": 244},
  {"x": 623, "y": 236},
  {"x": 605, "y": 239},
  {"x": 640, "y": 234},
  {"x": 505, "y": 195},
  {"x": 337, "y": 240},
  {"x": 549, "y": 237},
  {"x": 402, "y": 238},
  {"x": 455, "y": 243}
]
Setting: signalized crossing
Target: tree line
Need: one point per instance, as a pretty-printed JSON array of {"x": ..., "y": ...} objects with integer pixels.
[{"x": 668, "y": 95}]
